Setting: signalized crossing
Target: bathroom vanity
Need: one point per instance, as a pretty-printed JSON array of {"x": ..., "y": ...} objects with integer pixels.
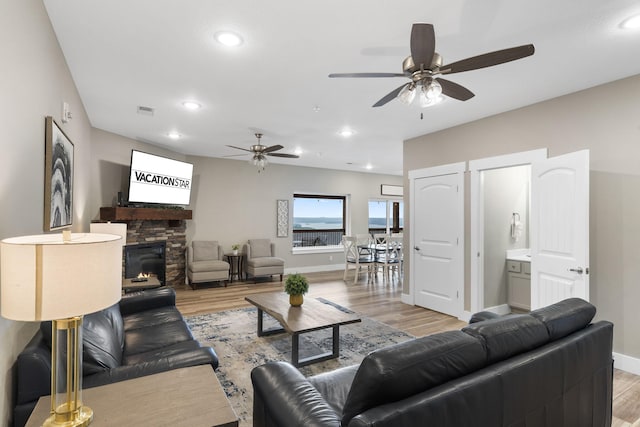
[{"x": 519, "y": 279}]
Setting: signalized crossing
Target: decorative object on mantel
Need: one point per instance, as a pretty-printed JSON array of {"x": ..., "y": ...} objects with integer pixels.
[
  {"x": 283, "y": 218},
  {"x": 391, "y": 190},
  {"x": 58, "y": 177},
  {"x": 296, "y": 286},
  {"x": 44, "y": 277}
]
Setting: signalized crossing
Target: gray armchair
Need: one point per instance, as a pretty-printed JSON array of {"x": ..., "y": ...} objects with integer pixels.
[
  {"x": 205, "y": 263},
  {"x": 261, "y": 259}
]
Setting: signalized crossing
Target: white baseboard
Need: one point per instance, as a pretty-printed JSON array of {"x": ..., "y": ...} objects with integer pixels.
[
  {"x": 406, "y": 298},
  {"x": 501, "y": 309},
  {"x": 465, "y": 316},
  {"x": 626, "y": 363},
  {"x": 314, "y": 268}
]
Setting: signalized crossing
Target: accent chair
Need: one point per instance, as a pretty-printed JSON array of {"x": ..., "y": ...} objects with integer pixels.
[
  {"x": 261, "y": 259},
  {"x": 205, "y": 263}
]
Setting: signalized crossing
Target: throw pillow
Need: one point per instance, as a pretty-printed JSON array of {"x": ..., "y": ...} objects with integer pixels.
[
  {"x": 205, "y": 250},
  {"x": 260, "y": 247}
]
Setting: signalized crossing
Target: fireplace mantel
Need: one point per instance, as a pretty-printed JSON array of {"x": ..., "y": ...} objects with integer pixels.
[{"x": 133, "y": 214}]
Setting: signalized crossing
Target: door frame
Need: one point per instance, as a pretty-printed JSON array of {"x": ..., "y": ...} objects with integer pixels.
[
  {"x": 476, "y": 254},
  {"x": 449, "y": 169}
]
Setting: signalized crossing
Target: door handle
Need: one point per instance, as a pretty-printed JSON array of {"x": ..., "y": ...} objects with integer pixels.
[
  {"x": 416, "y": 248},
  {"x": 578, "y": 270}
]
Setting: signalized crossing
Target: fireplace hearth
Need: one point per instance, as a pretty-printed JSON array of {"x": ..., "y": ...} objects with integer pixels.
[{"x": 145, "y": 258}]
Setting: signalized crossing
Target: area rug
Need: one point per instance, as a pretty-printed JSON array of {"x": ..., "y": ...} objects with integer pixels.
[{"x": 233, "y": 336}]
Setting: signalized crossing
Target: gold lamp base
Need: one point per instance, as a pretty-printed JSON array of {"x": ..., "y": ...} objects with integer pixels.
[{"x": 80, "y": 418}]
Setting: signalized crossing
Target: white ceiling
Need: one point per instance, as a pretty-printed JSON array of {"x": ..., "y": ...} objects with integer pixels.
[{"x": 159, "y": 53}]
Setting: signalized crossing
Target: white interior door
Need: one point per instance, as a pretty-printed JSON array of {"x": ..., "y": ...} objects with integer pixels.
[
  {"x": 560, "y": 229},
  {"x": 437, "y": 248}
]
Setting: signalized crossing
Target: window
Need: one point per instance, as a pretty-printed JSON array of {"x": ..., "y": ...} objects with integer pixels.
[
  {"x": 386, "y": 216},
  {"x": 318, "y": 220}
]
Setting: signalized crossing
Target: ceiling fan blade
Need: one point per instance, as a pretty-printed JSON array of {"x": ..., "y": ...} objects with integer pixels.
[
  {"x": 239, "y": 148},
  {"x": 272, "y": 148},
  {"x": 360, "y": 75},
  {"x": 423, "y": 45},
  {"x": 235, "y": 155},
  {"x": 454, "y": 90},
  {"x": 289, "y": 156},
  {"x": 390, "y": 96},
  {"x": 488, "y": 59}
]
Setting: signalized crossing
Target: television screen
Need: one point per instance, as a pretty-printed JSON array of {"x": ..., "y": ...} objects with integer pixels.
[{"x": 155, "y": 179}]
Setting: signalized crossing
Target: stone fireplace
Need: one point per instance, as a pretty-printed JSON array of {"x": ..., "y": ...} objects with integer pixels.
[
  {"x": 149, "y": 226},
  {"x": 146, "y": 258}
]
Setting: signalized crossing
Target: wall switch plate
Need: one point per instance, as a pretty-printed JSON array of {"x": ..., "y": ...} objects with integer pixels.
[{"x": 66, "y": 114}]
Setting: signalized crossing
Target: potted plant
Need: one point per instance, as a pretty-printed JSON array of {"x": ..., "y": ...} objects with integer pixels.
[
  {"x": 296, "y": 285},
  {"x": 235, "y": 248}
]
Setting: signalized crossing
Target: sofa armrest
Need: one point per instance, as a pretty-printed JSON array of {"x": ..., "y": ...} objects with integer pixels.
[
  {"x": 279, "y": 385},
  {"x": 147, "y": 300},
  {"x": 194, "y": 357},
  {"x": 33, "y": 371}
]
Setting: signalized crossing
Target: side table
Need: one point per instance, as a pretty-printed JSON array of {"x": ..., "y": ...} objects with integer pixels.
[
  {"x": 236, "y": 261},
  {"x": 186, "y": 396}
]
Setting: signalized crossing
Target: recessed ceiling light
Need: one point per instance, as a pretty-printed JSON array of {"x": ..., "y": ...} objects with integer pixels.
[
  {"x": 297, "y": 151},
  {"x": 228, "y": 38},
  {"x": 631, "y": 22},
  {"x": 368, "y": 166},
  {"x": 191, "y": 105},
  {"x": 346, "y": 133},
  {"x": 174, "y": 135}
]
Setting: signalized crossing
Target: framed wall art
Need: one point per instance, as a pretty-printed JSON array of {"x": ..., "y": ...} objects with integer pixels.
[
  {"x": 283, "y": 218},
  {"x": 58, "y": 177}
]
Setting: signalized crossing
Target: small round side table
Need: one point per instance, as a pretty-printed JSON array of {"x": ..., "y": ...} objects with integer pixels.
[{"x": 236, "y": 261}]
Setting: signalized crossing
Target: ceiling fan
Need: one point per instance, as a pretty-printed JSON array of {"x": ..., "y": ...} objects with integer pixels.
[
  {"x": 424, "y": 66},
  {"x": 260, "y": 152}
]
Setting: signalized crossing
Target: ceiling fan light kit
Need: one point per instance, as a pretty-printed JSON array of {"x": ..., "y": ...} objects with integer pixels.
[{"x": 424, "y": 68}]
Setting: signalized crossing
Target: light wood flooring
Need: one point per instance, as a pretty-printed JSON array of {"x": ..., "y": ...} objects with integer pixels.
[{"x": 380, "y": 301}]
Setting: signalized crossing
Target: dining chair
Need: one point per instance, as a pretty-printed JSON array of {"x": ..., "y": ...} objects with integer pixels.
[
  {"x": 357, "y": 253},
  {"x": 388, "y": 254}
]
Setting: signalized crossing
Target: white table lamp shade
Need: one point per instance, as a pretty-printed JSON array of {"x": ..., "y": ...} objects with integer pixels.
[{"x": 44, "y": 278}]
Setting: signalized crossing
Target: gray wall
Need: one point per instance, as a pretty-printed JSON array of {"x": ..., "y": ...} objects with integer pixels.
[
  {"x": 604, "y": 119},
  {"x": 34, "y": 81},
  {"x": 506, "y": 191},
  {"x": 232, "y": 202},
  {"x": 111, "y": 157}
]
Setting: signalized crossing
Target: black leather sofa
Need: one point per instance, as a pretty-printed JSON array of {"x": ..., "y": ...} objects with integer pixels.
[
  {"x": 549, "y": 368},
  {"x": 141, "y": 335}
]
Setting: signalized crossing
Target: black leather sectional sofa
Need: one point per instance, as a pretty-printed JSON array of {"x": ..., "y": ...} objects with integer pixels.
[
  {"x": 141, "y": 335},
  {"x": 550, "y": 368}
]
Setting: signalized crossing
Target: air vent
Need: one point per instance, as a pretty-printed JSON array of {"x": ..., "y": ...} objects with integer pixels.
[{"x": 145, "y": 110}]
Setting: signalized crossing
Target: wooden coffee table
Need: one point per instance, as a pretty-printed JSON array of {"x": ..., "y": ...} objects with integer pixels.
[
  {"x": 187, "y": 396},
  {"x": 311, "y": 316}
]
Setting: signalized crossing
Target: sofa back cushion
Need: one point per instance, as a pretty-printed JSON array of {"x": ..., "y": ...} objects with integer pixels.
[
  {"x": 507, "y": 336},
  {"x": 103, "y": 340},
  {"x": 204, "y": 250},
  {"x": 260, "y": 248},
  {"x": 399, "y": 371},
  {"x": 565, "y": 317}
]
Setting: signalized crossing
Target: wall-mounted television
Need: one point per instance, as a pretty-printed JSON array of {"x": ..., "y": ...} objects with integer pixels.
[{"x": 156, "y": 179}]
